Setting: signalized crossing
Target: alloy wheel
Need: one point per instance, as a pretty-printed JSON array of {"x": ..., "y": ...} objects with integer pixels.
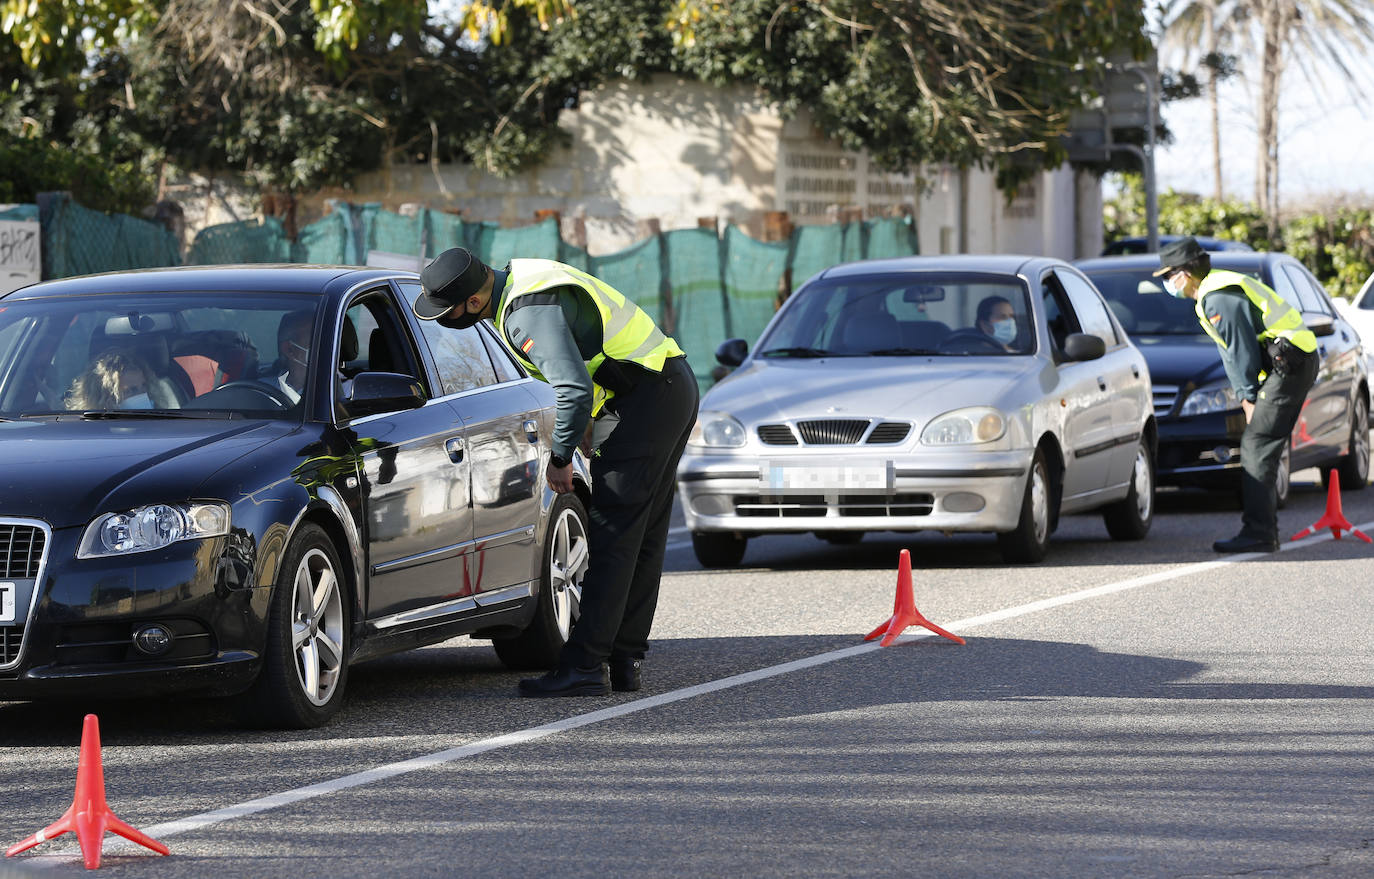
[{"x": 317, "y": 634}]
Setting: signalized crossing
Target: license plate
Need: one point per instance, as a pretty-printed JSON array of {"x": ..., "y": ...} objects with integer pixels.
[
  {"x": 825, "y": 478},
  {"x": 6, "y": 602}
]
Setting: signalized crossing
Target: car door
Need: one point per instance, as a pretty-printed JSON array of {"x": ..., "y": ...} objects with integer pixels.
[
  {"x": 1324, "y": 425},
  {"x": 414, "y": 474},
  {"x": 502, "y": 430},
  {"x": 1121, "y": 373},
  {"x": 1086, "y": 430}
]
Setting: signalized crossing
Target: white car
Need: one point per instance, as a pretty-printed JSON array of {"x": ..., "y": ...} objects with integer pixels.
[
  {"x": 1359, "y": 313},
  {"x": 877, "y": 400}
]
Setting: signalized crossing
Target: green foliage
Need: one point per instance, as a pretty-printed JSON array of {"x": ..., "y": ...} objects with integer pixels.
[
  {"x": 29, "y": 166},
  {"x": 1338, "y": 249}
]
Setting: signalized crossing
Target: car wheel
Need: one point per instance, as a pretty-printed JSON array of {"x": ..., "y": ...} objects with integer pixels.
[
  {"x": 1353, "y": 468},
  {"x": 718, "y": 549},
  {"x": 305, "y": 663},
  {"x": 841, "y": 538},
  {"x": 1130, "y": 517},
  {"x": 565, "y": 561},
  {"x": 1030, "y": 540}
]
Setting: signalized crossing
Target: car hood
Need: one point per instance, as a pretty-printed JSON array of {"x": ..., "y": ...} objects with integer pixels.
[
  {"x": 905, "y": 388},
  {"x": 1178, "y": 360},
  {"x": 67, "y": 472}
]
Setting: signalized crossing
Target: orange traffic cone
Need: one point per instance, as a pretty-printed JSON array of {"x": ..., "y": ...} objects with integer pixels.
[
  {"x": 89, "y": 817},
  {"x": 904, "y": 612},
  {"x": 1333, "y": 518}
]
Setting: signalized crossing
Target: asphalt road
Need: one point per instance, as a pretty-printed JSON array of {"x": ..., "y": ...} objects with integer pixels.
[{"x": 1122, "y": 709}]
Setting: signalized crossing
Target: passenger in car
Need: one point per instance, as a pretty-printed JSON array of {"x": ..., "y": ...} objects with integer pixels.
[
  {"x": 114, "y": 380},
  {"x": 996, "y": 318}
]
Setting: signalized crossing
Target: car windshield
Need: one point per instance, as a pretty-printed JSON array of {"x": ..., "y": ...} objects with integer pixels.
[
  {"x": 164, "y": 355},
  {"x": 934, "y": 314},
  {"x": 1144, "y": 307}
]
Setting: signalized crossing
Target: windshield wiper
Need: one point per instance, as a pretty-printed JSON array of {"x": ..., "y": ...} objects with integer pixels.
[
  {"x": 796, "y": 352},
  {"x": 95, "y": 414},
  {"x": 901, "y": 352}
]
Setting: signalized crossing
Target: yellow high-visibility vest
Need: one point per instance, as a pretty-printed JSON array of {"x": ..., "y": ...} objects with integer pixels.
[
  {"x": 1281, "y": 320},
  {"x": 627, "y": 332}
]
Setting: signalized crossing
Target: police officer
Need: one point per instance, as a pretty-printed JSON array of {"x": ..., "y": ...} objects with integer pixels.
[
  {"x": 1269, "y": 356},
  {"x": 610, "y": 365}
]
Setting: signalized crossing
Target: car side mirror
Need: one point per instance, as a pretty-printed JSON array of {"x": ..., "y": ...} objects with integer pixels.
[
  {"x": 371, "y": 392},
  {"x": 732, "y": 352},
  {"x": 1321, "y": 326},
  {"x": 1084, "y": 346}
]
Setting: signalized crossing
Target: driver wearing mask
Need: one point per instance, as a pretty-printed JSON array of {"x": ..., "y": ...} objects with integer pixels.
[
  {"x": 293, "y": 355},
  {"x": 997, "y": 318}
]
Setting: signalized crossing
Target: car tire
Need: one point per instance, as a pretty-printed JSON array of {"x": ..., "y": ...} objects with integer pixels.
[
  {"x": 564, "y": 564},
  {"x": 1130, "y": 518},
  {"x": 718, "y": 549},
  {"x": 841, "y": 538},
  {"x": 1030, "y": 540},
  {"x": 305, "y": 662},
  {"x": 1353, "y": 469}
]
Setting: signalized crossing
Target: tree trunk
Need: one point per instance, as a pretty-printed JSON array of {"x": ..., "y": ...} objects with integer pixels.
[
  {"x": 1209, "y": 22},
  {"x": 1273, "y": 20}
]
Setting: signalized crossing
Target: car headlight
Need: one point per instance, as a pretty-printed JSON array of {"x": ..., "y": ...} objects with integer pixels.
[
  {"x": 978, "y": 424},
  {"x": 716, "y": 430},
  {"x": 152, "y": 527},
  {"x": 1205, "y": 401}
]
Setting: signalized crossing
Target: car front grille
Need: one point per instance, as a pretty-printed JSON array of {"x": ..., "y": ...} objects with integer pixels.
[
  {"x": 833, "y": 432},
  {"x": 21, "y": 551},
  {"x": 1165, "y": 397},
  {"x": 777, "y": 435},
  {"x": 811, "y": 506},
  {"x": 95, "y": 643},
  {"x": 11, "y": 637},
  {"x": 889, "y": 432}
]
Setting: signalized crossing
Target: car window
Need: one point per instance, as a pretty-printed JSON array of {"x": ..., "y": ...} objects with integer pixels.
[
  {"x": 374, "y": 339},
  {"x": 1311, "y": 295},
  {"x": 507, "y": 370},
  {"x": 460, "y": 356},
  {"x": 159, "y": 352},
  {"x": 904, "y": 314},
  {"x": 1088, "y": 307},
  {"x": 1057, "y": 316},
  {"x": 1284, "y": 286}
]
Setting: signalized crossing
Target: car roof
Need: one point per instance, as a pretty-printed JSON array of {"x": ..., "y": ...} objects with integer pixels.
[
  {"x": 1139, "y": 244},
  {"x": 1000, "y": 264},
  {"x": 291, "y": 278},
  {"x": 1232, "y": 260}
]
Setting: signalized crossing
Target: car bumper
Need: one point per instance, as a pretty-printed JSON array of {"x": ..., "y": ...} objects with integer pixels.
[
  {"x": 946, "y": 492},
  {"x": 79, "y": 638},
  {"x": 1201, "y": 450}
]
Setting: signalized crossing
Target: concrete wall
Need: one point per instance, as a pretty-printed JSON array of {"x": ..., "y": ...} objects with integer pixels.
[{"x": 675, "y": 151}]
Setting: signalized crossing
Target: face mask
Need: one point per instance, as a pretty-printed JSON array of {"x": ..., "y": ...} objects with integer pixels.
[
  {"x": 137, "y": 401},
  {"x": 304, "y": 359},
  {"x": 1172, "y": 290},
  {"x": 1004, "y": 330},
  {"x": 461, "y": 322}
]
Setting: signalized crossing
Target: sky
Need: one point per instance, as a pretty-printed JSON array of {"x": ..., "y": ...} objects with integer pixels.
[{"x": 1325, "y": 134}]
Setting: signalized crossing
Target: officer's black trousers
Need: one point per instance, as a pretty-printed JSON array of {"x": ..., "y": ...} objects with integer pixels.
[
  {"x": 1276, "y": 412},
  {"x": 632, "y": 501}
]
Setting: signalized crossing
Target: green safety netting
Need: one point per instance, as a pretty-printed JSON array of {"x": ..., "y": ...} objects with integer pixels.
[
  {"x": 497, "y": 246},
  {"x": 853, "y": 248},
  {"x": 890, "y": 237},
  {"x": 698, "y": 300},
  {"x": 814, "y": 249},
  {"x": 19, "y": 212},
  {"x": 327, "y": 241},
  {"x": 80, "y": 241},
  {"x": 445, "y": 231},
  {"x": 637, "y": 272},
  {"x": 753, "y": 270},
  {"x": 391, "y": 232},
  {"x": 571, "y": 254},
  {"x": 247, "y": 241}
]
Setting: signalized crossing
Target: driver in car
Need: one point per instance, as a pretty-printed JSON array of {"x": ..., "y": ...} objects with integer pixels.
[
  {"x": 288, "y": 373},
  {"x": 996, "y": 318}
]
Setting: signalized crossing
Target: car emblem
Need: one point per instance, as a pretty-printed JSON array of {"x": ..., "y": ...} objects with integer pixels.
[{"x": 834, "y": 409}]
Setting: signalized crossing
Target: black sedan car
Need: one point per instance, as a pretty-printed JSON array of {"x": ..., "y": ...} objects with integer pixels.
[
  {"x": 1199, "y": 416},
  {"x": 242, "y": 480}
]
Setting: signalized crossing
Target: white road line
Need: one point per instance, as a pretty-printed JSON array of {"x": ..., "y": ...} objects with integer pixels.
[{"x": 520, "y": 737}]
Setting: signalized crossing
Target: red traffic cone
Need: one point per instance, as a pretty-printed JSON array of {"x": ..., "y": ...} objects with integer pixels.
[
  {"x": 904, "y": 612},
  {"x": 89, "y": 817},
  {"x": 1333, "y": 518}
]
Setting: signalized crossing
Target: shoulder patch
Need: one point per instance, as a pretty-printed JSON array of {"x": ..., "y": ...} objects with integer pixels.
[
  {"x": 527, "y": 345},
  {"x": 1215, "y": 318}
]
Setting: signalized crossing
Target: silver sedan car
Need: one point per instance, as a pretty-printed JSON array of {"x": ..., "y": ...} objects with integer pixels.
[{"x": 951, "y": 393}]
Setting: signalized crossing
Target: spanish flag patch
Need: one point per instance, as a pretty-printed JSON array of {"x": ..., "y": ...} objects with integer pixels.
[
  {"x": 1215, "y": 319},
  {"x": 528, "y": 344}
]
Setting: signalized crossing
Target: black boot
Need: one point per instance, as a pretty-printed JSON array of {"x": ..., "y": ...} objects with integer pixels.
[
  {"x": 568, "y": 681},
  {"x": 625, "y": 674}
]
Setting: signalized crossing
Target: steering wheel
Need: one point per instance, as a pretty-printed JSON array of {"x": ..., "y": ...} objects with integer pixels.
[
  {"x": 971, "y": 339},
  {"x": 277, "y": 397}
]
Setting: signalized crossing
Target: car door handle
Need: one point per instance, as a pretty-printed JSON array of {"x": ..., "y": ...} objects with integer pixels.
[
  {"x": 1135, "y": 370},
  {"x": 1101, "y": 383},
  {"x": 531, "y": 431},
  {"x": 454, "y": 447}
]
